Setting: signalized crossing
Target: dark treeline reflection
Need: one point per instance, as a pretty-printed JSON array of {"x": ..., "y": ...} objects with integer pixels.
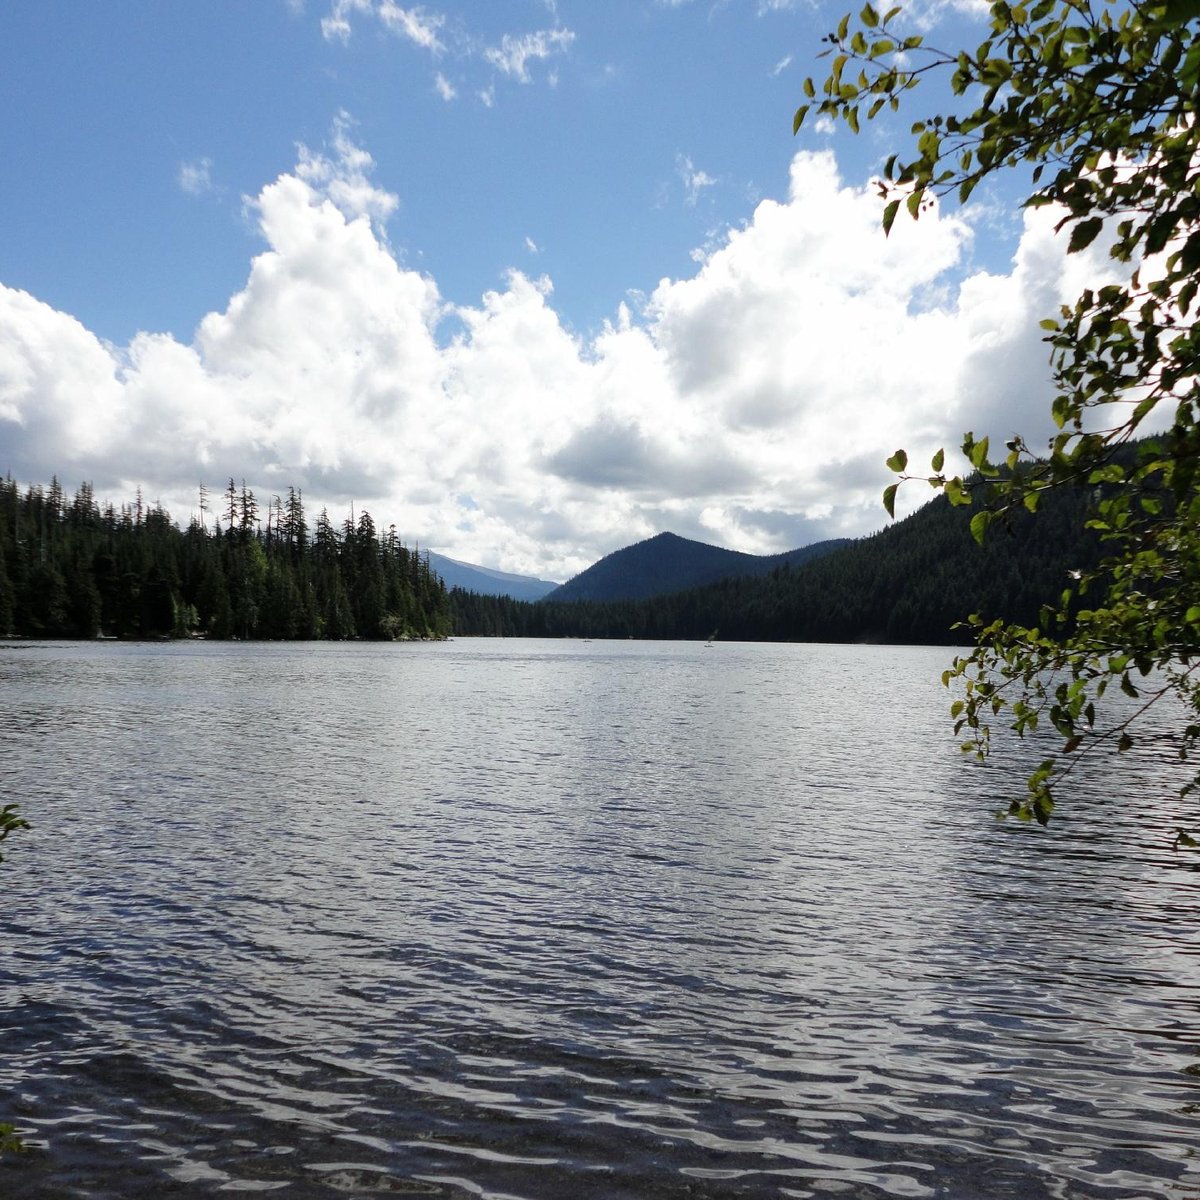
[
  {"x": 911, "y": 583},
  {"x": 70, "y": 569}
]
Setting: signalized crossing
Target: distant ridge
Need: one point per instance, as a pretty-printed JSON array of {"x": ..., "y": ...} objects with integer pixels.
[
  {"x": 669, "y": 563},
  {"x": 913, "y": 582},
  {"x": 487, "y": 581}
]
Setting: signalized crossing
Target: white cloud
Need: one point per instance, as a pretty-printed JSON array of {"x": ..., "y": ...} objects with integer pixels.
[
  {"x": 752, "y": 402},
  {"x": 195, "y": 177},
  {"x": 763, "y": 7},
  {"x": 694, "y": 180},
  {"x": 512, "y": 56},
  {"x": 514, "y": 53},
  {"x": 344, "y": 179},
  {"x": 418, "y": 25},
  {"x": 336, "y": 26},
  {"x": 60, "y": 394},
  {"x": 926, "y": 14},
  {"x": 782, "y": 65}
]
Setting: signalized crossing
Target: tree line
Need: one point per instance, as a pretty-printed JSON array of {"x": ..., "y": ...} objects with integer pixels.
[{"x": 69, "y": 568}]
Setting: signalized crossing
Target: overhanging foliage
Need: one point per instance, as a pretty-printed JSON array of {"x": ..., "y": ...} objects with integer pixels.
[{"x": 1100, "y": 100}]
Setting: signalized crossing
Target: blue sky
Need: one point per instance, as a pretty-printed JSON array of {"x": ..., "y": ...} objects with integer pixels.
[
  {"x": 530, "y": 279},
  {"x": 586, "y": 159}
]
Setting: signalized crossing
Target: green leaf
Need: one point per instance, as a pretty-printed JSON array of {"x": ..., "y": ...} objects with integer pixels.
[
  {"x": 956, "y": 493},
  {"x": 979, "y": 524},
  {"x": 1144, "y": 406},
  {"x": 1189, "y": 256},
  {"x": 898, "y": 461},
  {"x": 1083, "y": 234},
  {"x": 938, "y": 459},
  {"x": 1189, "y": 73},
  {"x": 10, "y": 1141},
  {"x": 889, "y": 498}
]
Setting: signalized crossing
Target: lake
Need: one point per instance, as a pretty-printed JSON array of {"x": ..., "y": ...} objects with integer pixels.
[{"x": 565, "y": 919}]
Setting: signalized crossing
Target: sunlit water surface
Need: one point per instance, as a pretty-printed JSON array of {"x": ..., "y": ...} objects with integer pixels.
[{"x": 569, "y": 920}]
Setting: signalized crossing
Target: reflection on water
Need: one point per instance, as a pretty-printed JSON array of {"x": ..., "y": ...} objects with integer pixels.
[{"x": 547, "y": 919}]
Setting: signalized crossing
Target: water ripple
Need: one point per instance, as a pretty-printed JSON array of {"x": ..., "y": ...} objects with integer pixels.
[{"x": 540, "y": 919}]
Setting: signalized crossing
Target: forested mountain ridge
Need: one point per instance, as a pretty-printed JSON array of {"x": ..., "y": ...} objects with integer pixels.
[
  {"x": 669, "y": 563},
  {"x": 911, "y": 582},
  {"x": 68, "y": 569}
]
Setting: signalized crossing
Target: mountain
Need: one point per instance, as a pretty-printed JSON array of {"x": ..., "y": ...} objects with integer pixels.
[
  {"x": 488, "y": 582},
  {"x": 669, "y": 563},
  {"x": 912, "y": 582}
]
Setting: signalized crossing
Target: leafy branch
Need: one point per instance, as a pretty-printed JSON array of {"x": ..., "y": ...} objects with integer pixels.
[
  {"x": 10, "y": 822},
  {"x": 10, "y": 1141},
  {"x": 1100, "y": 99}
]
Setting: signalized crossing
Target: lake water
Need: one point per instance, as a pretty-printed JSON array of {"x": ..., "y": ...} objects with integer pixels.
[{"x": 552, "y": 920}]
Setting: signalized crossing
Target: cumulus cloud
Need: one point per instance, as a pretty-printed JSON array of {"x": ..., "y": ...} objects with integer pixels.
[
  {"x": 751, "y": 403},
  {"x": 60, "y": 390},
  {"x": 344, "y": 178}
]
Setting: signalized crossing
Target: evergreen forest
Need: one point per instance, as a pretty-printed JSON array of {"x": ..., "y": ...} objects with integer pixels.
[{"x": 70, "y": 569}]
